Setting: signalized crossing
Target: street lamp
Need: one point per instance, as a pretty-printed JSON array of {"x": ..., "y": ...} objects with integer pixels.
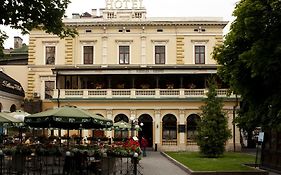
[{"x": 135, "y": 125}]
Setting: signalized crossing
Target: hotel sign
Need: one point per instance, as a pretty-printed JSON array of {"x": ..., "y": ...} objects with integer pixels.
[{"x": 124, "y": 4}]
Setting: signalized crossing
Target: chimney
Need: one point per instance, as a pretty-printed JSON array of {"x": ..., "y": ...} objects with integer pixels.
[
  {"x": 17, "y": 42},
  {"x": 94, "y": 12},
  {"x": 75, "y": 15}
]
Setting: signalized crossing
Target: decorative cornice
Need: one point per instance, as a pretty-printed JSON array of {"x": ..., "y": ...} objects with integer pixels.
[{"x": 145, "y": 23}]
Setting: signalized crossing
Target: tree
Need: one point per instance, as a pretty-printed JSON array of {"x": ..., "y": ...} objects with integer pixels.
[
  {"x": 3, "y": 37},
  {"x": 27, "y": 15},
  {"x": 213, "y": 129},
  {"x": 251, "y": 63}
]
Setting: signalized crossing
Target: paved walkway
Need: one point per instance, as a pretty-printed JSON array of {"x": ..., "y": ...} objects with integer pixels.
[{"x": 156, "y": 164}]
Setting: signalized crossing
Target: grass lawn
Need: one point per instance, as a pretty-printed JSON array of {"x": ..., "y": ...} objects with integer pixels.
[{"x": 229, "y": 162}]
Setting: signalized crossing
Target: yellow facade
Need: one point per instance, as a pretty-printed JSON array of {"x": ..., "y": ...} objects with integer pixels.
[{"x": 149, "y": 89}]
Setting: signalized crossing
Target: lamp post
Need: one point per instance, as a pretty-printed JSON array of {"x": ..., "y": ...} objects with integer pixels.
[{"x": 135, "y": 125}]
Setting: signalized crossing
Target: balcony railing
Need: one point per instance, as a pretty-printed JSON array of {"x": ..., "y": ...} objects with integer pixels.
[{"x": 136, "y": 93}]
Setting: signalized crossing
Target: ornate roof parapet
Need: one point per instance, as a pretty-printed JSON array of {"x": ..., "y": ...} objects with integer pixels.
[{"x": 133, "y": 13}]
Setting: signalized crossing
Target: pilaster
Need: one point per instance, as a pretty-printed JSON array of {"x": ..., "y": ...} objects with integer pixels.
[
  {"x": 109, "y": 115},
  {"x": 157, "y": 116},
  {"x": 182, "y": 136},
  {"x": 104, "y": 49}
]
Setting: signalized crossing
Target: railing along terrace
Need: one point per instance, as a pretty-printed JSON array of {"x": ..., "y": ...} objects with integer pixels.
[
  {"x": 67, "y": 165},
  {"x": 137, "y": 93},
  {"x": 169, "y": 142}
]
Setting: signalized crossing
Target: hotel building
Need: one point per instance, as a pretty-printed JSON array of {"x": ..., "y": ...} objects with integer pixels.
[{"x": 124, "y": 65}]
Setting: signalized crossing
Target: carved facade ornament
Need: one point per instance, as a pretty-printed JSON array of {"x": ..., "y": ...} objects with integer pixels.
[
  {"x": 181, "y": 111},
  {"x": 133, "y": 112},
  {"x": 109, "y": 112},
  {"x": 157, "y": 111}
]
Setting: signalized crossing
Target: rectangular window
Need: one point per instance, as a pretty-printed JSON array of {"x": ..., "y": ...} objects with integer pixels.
[
  {"x": 50, "y": 55},
  {"x": 160, "y": 54},
  {"x": 88, "y": 54},
  {"x": 124, "y": 54},
  {"x": 49, "y": 89},
  {"x": 199, "y": 54}
]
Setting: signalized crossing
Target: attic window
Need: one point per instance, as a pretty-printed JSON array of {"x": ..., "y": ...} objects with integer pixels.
[
  {"x": 124, "y": 30},
  {"x": 138, "y": 15},
  {"x": 88, "y": 30},
  {"x": 159, "y": 30},
  {"x": 199, "y": 29},
  {"x": 110, "y": 15}
]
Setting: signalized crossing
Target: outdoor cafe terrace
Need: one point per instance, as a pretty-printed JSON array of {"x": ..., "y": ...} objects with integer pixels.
[{"x": 36, "y": 153}]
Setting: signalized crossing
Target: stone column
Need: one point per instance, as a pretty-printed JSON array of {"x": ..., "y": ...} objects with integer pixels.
[
  {"x": 133, "y": 115},
  {"x": 182, "y": 139},
  {"x": 109, "y": 115},
  {"x": 157, "y": 124}
]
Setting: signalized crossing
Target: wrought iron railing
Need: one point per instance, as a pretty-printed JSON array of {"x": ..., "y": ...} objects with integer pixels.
[{"x": 68, "y": 165}]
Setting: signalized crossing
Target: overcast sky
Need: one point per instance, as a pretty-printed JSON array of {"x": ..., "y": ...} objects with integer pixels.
[{"x": 155, "y": 8}]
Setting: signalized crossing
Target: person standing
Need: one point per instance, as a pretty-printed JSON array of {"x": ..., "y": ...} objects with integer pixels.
[{"x": 144, "y": 144}]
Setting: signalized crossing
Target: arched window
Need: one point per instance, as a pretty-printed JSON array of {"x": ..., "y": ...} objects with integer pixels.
[
  {"x": 169, "y": 130},
  {"x": 121, "y": 133},
  {"x": 100, "y": 115},
  {"x": 13, "y": 108},
  {"x": 191, "y": 125},
  {"x": 120, "y": 117}
]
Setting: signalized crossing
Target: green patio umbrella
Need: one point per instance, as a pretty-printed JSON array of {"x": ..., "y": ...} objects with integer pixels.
[
  {"x": 7, "y": 120},
  {"x": 67, "y": 117},
  {"x": 19, "y": 114},
  {"x": 121, "y": 125}
]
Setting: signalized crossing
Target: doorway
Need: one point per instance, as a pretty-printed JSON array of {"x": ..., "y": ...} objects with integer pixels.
[{"x": 146, "y": 129}]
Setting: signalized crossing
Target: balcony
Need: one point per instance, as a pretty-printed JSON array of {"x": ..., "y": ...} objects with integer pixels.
[{"x": 136, "y": 93}]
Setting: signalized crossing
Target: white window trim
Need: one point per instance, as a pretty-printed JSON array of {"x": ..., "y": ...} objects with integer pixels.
[
  {"x": 48, "y": 44},
  {"x": 160, "y": 43},
  {"x": 200, "y": 43},
  {"x": 206, "y": 55},
  {"x": 124, "y": 43},
  {"x": 85, "y": 43},
  {"x": 43, "y": 80}
]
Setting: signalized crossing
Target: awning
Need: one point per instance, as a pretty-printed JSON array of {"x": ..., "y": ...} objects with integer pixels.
[{"x": 9, "y": 85}]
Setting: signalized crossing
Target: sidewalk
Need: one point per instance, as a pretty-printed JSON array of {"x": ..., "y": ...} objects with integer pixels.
[{"x": 156, "y": 164}]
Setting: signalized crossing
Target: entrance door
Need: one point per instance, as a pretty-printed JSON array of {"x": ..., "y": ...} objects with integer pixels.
[{"x": 146, "y": 129}]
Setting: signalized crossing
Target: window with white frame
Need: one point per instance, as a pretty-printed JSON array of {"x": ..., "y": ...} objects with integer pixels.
[
  {"x": 88, "y": 54},
  {"x": 124, "y": 54},
  {"x": 199, "y": 52},
  {"x": 160, "y": 54},
  {"x": 49, "y": 89},
  {"x": 50, "y": 55}
]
